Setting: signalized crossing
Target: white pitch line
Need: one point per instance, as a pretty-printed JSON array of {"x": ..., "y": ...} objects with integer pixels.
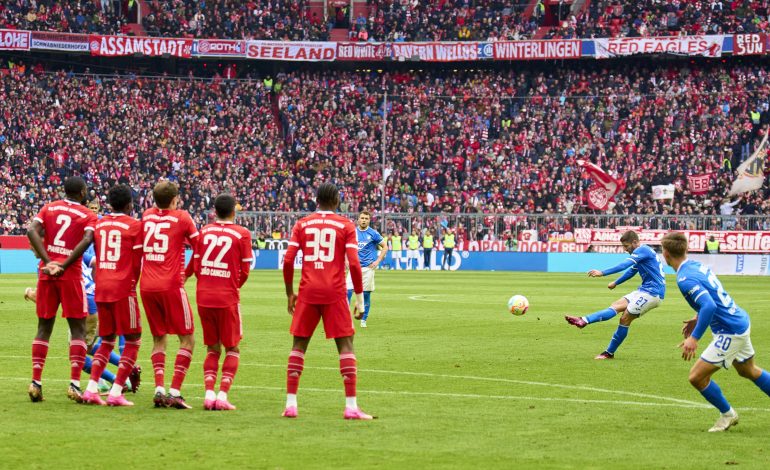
[{"x": 422, "y": 298}]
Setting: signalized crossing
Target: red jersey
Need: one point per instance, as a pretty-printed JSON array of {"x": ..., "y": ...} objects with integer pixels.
[
  {"x": 65, "y": 222},
  {"x": 165, "y": 233},
  {"x": 223, "y": 259},
  {"x": 325, "y": 239},
  {"x": 118, "y": 247}
]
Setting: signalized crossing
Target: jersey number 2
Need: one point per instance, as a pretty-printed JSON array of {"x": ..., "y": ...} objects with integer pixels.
[{"x": 320, "y": 243}]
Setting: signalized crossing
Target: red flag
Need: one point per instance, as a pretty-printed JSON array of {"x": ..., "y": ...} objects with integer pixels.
[
  {"x": 700, "y": 184},
  {"x": 605, "y": 186}
]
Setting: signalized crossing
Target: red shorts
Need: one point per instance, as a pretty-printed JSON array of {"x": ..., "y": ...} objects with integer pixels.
[
  {"x": 337, "y": 320},
  {"x": 119, "y": 318},
  {"x": 221, "y": 325},
  {"x": 168, "y": 312},
  {"x": 71, "y": 295}
]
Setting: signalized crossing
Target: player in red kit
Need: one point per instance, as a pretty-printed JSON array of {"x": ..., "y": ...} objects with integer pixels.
[
  {"x": 166, "y": 230},
  {"x": 59, "y": 234},
  {"x": 118, "y": 247},
  {"x": 222, "y": 263},
  {"x": 326, "y": 240}
]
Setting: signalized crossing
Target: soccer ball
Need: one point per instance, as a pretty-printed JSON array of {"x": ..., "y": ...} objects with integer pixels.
[{"x": 518, "y": 305}]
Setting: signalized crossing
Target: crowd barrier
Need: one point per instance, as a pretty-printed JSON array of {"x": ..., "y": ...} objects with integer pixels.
[
  {"x": 24, "y": 262},
  {"x": 330, "y": 51}
]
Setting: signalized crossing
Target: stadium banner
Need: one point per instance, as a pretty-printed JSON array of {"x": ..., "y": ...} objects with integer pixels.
[
  {"x": 14, "y": 40},
  {"x": 707, "y": 46},
  {"x": 749, "y": 44},
  {"x": 292, "y": 51},
  {"x": 700, "y": 184},
  {"x": 218, "y": 48},
  {"x": 369, "y": 51},
  {"x": 439, "y": 51},
  {"x": 115, "y": 46},
  {"x": 751, "y": 173},
  {"x": 537, "y": 50},
  {"x": 59, "y": 41},
  {"x": 663, "y": 191}
]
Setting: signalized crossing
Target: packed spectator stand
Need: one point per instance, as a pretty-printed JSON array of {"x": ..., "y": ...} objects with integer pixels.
[
  {"x": 391, "y": 20},
  {"x": 456, "y": 141}
]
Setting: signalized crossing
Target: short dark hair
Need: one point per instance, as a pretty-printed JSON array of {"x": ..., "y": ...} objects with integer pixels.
[
  {"x": 164, "y": 192},
  {"x": 629, "y": 237},
  {"x": 224, "y": 205},
  {"x": 366, "y": 213},
  {"x": 120, "y": 198},
  {"x": 74, "y": 186},
  {"x": 327, "y": 194},
  {"x": 675, "y": 243}
]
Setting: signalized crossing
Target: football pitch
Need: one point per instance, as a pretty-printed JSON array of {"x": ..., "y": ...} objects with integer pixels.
[{"x": 455, "y": 380}]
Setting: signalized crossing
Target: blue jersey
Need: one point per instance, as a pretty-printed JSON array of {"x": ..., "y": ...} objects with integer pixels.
[
  {"x": 368, "y": 241},
  {"x": 88, "y": 278},
  {"x": 705, "y": 294},
  {"x": 644, "y": 261}
]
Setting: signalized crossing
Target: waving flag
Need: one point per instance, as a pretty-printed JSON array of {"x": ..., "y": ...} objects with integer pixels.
[
  {"x": 751, "y": 173},
  {"x": 605, "y": 187}
]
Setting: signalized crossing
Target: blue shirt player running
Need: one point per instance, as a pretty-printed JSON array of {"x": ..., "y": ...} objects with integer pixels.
[
  {"x": 371, "y": 251},
  {"x": 644, "y": 261},
  {"x": 730, "y": 325}
]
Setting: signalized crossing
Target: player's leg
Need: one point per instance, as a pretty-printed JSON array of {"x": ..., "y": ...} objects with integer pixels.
[
  {"x": 600, "y": 315},
  {"x": 101, "y": 358},
  {"x": 230, "y": 333},
  {"x": 128, "y": 325},
  {"x": 180, "y": 315},
  {"x": 30, "y": 293},
  {"x": 153, "y": 309},
  {"x": 75, "y": 310},
  {"x": 744, "y": 362},
  {"x": 619, "y": 336},
  {"x": 296, "y": 365},
  {"x": 700, "y": 378},
  {"x": 368, "y": 278},
  {"x": 39, "y": 354},
  {"x": 208, "y": 318}
]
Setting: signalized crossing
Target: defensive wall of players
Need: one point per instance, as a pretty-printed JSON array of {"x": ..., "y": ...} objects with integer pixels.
[{"x": 327, "y": 51}]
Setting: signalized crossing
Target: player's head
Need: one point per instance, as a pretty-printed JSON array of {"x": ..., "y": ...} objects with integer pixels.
[
  {"x": 630, "y": 241},
  {"x": 674, "y": 248},
  {"x": 328, "y": 197},
  {"x": 120, "y": 199},
  {"x": 75, "y": 188},
  {"x": 364, "y": 218},
  {"x": 166, "y": 195},
  {"x": 94, "y": 205},
  {"x": 224, "y": 205}
]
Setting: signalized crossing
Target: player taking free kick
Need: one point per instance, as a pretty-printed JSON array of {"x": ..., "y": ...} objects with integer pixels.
[
  {"x": 118, "y": 248},
  {"x": 222, "y": 262},
  {"x": 729, "y": 324},
  {"x": 59, "y": 234},
  {"x": 326, "y": 239},
  {"x": 647, "y": 297},
  {"x": 166, "y": 229}
]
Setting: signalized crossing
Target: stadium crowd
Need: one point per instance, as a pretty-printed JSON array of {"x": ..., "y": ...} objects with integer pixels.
[
  {"x": 463, "y": 142},
  {"x": 391, "y": 20}
]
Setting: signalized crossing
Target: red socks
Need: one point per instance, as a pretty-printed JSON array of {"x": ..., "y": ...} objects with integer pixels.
[
  {"x": 39, "y": 353},
  {"x": 182, "y": 363},
  {"x": 348, "y": 370},
  {"x": 210, "y": 366},
  {"x": 77, "y": 358},
  {"x": 127, "y": 361},
  {"x": 159, "y": 365},
  {"x": 101, "y": 358},
  {"x": 229, "y": 368},
  {"x": 294, "y": 370}
]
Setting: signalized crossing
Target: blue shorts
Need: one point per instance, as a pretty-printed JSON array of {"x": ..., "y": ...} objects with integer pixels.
[{"x": 91, "y": 304}]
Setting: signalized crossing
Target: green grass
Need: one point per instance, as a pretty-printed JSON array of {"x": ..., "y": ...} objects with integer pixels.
[{"x": 455, "y": 380}]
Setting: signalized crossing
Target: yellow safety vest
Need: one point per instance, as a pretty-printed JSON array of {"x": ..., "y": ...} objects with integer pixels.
[
  {"x": 427, "y": 241},
  {"x": 414, "y": 242},
  {"x": 395, "y": 243},
  {"x": 755, "y": 117},
  {"x": 261, "y": 243},
  {"x": 449, "y": 241},
  {"x": 712, "y": 247}
]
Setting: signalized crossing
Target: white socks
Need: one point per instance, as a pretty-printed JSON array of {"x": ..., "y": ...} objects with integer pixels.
[{"x": 291, "y": 400}]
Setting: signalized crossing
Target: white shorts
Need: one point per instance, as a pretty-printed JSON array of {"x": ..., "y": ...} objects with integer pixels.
[
  {"x": 724, "y": 349},
  {"x": 412, "y": 253},
  {"x": 395, "y": 254},
  {"x": 640, "y": 302},
  {"x": 368, "y": 276}
]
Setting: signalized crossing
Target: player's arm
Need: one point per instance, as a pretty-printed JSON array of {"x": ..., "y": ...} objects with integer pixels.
[
  {"x": 247, "y": 256},
  {"x": 382, "y": 251},
  {"x": 622, "y": 266},
  {"x": 137, "y": 254},
  {"x": 288, "y": 269},
  {"x": 628, "y": 274},
  {"x": 35, "y": 236},
  {"x": 80, "y": 248},
  {"x": 351, "y": 253},
  {"x": 700, "y": 300}
]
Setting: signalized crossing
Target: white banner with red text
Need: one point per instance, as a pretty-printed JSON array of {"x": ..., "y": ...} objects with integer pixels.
[
  {"x": 292, "y": 51},
  {"x": 14, "y": 40},
  {"x": 707, "y": 46},
  {"x": 116, "y": 46}
]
